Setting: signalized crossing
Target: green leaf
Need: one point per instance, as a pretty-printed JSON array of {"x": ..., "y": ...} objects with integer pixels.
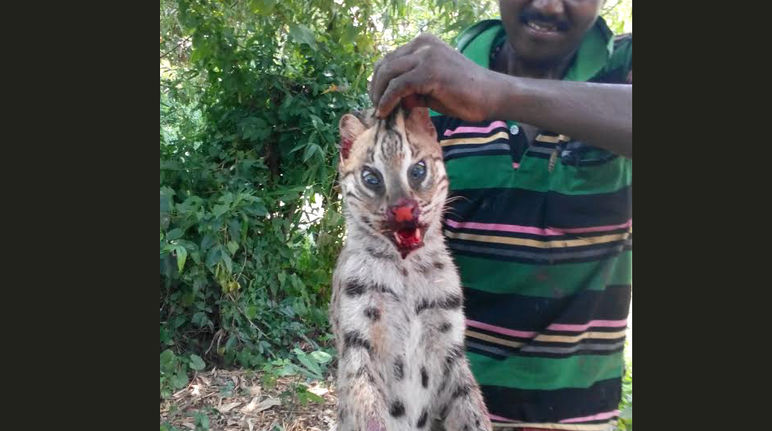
[
  {"x": 627, "y": 413},
  {"x": 213, "y": 256},
  {"x": 196, "y": 362},
  {"x": 311, "y": 149},
  {"x": 166, "y": 199},
  {"x": 321, "y": 357},
  {"x": 304, "y": 396},
  {"x": 168, "y": 359},
  {"x": 287, "y": 370},
  {"x": 256, "y": 209},
  {"x": 232, "y": 247},
  {"x": 219, "y": 210},
  {"x": 228, "y": 263},
  {"x": 309, "y": 364},
  {"x": 182, "y": 254},
  {"x": 179, "y": 380},
  {"x": 174, "y": 234},
  {"x": 202, "y": 420},
  {"x": 262, "y": 7},
  {"x": 230, "y": 343},
  {"x": 207, "y": 242},
  {"x": 298, "y": 146},
  {"x": 199, "y": 319},
  {"x": 302, "y": 34}
]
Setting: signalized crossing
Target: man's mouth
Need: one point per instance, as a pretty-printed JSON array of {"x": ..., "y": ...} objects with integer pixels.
[{"x": 542, "y": 26}]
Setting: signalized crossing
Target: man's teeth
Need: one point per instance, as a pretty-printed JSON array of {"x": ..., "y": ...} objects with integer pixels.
[
  {"x": 417, "y": 235},
  {"x": 541, "y": 26}
]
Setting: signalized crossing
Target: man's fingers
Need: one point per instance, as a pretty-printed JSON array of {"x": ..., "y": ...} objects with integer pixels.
[
  {"x": 388, "y": 72},
  {"x": 414, "y": 100},
  {"x": 403, "y": 50},
  {"x": 402, "y": 86}
]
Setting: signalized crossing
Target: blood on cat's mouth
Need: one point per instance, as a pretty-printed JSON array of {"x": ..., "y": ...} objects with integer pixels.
[
  {"x": 403, "y": 228},
  {"x": 408, "y": 237}
]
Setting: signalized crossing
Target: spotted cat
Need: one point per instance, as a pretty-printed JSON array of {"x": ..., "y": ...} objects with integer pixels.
[{"x": 396, "y": 307}]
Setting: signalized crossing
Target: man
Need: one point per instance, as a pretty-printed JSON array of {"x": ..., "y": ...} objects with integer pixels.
[{"x": 534, "y": 115}]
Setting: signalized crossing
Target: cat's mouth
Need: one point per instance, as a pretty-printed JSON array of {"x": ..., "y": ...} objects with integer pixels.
[{"x": 408, "y": 237}]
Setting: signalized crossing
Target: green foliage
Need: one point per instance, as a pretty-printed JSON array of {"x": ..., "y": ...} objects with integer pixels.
[
  {"x": 249, "y": 107},
  {"x": 250, "y": 219},
  {"x": 202, "y": 421},
  {"x": 626, "y": 405},
  {"x": 173, "y": 373},
  {"x": 618, "y": 15}
]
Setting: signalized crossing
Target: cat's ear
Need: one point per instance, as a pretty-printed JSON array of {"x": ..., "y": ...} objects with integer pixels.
[
  {"x": 418, "y": 121},
  {"x": 350, "y": 128}
]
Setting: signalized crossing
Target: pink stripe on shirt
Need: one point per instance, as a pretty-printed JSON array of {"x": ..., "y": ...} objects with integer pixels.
[
  {"x": 599, "y": 416},
  {"x": 500, "y": 418},
  {"x": 467, "y": 129},
  {"x": 533, "y": 229},
  {"x": 593, "y": 323},
  {"x": 500, "y": 330}
]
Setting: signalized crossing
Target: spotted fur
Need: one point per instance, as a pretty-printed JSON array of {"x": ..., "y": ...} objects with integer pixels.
[{"x": 398, "y": 319}]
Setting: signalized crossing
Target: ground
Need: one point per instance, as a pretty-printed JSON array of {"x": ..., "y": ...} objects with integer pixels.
[
  {"x": 250, "y": 400},
  {"x": 257, "y": 401}
]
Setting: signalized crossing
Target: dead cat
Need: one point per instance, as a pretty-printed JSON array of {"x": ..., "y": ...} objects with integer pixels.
[{"x": 396, "y": 307}]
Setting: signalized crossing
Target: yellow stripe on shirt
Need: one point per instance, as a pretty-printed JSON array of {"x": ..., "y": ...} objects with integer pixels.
[
  {"x": 582, "y": 336},
  {"x": 465, "y": 141},
  {"x": 571, "y": 427},
  {"x": 590, "y": 240},
  {"x": 497, "y": 340}
]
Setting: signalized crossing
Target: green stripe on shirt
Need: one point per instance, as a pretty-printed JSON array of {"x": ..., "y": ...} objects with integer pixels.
[
  {"x": 548, "y": 281},
  {"x": 525, "y": 372}
]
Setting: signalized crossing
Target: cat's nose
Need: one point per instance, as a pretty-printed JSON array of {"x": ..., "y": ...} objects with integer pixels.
[{"x": 405, "y": 210}]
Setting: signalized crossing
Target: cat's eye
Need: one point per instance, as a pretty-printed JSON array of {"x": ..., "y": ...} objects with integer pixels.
[
  {"x": 418, "y": 171},
  {"x": 370, "y": 178}
]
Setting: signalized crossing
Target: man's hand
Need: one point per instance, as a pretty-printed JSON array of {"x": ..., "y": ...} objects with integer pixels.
[{"x": 428, "y": 72}]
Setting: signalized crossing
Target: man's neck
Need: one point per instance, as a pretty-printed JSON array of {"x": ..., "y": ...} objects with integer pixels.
[{"x": 509, "y": 63}]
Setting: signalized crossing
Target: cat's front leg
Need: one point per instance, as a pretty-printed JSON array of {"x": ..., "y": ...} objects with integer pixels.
[
  {"x": 464, "y": 409},
  {"x": 361, "y": 404}
]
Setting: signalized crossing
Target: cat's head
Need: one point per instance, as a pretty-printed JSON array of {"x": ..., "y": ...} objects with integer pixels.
[{"x": 392, "y": 175}]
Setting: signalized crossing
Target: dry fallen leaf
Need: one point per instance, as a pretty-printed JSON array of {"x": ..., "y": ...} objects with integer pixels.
[
  {"x": 255, "y": 390},
  {"x": 251, "y": 406},
  {"x": 227, "y": 407},
  {"x": 188, "y": 425},
  {"x": 317, "y": 389},
  {"x": 267, "y": 404}
]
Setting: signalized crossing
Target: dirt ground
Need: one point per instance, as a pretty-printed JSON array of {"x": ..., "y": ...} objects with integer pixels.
[{"x": 245, "y": 400}]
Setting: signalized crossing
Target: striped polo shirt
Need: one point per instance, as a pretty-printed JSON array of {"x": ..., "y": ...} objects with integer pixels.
[{"x": 542, "y": 236}]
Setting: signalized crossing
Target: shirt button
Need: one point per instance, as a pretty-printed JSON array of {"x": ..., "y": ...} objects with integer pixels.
[{"x": 514, "y": 129}]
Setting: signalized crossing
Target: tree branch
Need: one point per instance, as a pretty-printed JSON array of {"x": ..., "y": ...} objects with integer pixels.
[{"x": 175, "y": 47}]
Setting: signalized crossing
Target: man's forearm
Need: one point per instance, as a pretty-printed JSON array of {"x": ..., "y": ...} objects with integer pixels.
[{"x": 597, "y": 114}]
